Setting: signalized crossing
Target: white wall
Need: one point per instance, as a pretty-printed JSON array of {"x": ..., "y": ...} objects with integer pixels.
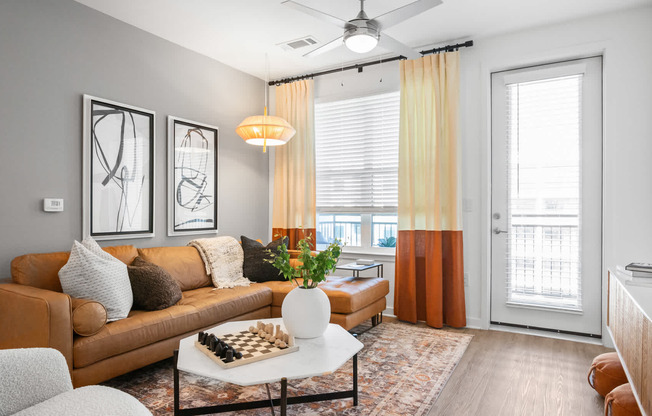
[{"x": 623, "y": 38}]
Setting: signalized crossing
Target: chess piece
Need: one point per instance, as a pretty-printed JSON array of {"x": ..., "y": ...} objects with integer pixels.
[
  {"x": 278, "y": 331},
  {"x": 229, "y": 356},
  {"x": 253, "y": 330},
  {"x": 199, "y": 336},
  {"x": 268, "y": 337},
  {"x": 272, "y": 339},
  {"x": 212, "y": 344},
  {"x": 270, "y": 328},
  {"x": 260, "y": 325},
  {"x": 282, "y": 344},
  {"x": 238, "y": 355},
  {"x": 262, "y": 334}
]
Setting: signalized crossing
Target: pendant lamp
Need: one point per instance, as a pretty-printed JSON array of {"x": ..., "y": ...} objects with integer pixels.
[{"x": 265, "y": 130}]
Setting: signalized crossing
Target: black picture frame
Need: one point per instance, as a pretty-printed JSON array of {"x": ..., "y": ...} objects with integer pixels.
[
  {"x": 118, "y": 170},
  {"x": 193, "y": 179}
]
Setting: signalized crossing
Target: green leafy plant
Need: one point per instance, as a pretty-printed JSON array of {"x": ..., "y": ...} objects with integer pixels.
[
  {"x": 313, "y": 268},
  {"x": 387, "y": 242}
]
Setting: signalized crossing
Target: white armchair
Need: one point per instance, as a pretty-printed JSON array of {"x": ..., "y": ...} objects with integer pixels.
[{"x": 36, "y": 381}]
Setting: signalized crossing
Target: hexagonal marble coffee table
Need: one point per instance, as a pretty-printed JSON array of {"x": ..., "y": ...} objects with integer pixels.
[{"x": 316, "y": 357}]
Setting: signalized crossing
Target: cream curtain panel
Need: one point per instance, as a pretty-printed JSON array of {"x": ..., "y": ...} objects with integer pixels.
[
  {"x": 429, "y": 268},
  {"x": 294, "y": 213}
]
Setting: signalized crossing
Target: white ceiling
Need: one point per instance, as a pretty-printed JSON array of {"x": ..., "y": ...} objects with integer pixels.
[{"x": 240, "y": 33}]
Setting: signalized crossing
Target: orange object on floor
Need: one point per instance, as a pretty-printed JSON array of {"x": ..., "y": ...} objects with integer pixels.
[
  {"x": 606, "y": 373},
  {"x": 621, "y": 402}
]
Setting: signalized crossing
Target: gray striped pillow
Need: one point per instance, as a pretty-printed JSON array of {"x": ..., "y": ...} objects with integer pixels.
[{"x": 91, "y": 273}]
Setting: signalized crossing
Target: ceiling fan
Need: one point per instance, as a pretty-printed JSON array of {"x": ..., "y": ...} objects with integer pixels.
[{"x": 362, "y": 34}]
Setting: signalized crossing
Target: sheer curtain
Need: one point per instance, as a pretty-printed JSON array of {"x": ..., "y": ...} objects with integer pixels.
[
  {"x": 429, "y": 283},
  {"x": 294, "y": 212}
]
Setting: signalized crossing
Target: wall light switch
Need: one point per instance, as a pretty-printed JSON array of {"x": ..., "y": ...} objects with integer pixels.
[{"x": 53, "y": 204}]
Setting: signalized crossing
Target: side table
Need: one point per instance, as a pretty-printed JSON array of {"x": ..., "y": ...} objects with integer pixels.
[{"x": 357, "y": 268}]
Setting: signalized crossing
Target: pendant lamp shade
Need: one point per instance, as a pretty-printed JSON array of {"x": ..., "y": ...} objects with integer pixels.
[{"x": 265, "y": 130}]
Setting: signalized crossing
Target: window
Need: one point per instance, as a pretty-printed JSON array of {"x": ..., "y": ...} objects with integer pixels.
[
  {"x": 356, "y": 146},
  {"x": 544, "y": 121}
]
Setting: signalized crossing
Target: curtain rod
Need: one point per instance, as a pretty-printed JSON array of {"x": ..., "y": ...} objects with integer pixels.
[{"x": 447, "y": 48}]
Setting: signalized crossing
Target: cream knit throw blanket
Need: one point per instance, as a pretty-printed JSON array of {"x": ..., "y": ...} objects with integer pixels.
[{"x": 223, "y": 258}]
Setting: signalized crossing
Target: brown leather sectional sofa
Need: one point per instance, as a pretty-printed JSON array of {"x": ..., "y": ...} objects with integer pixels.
[{"x": 35, "y": 313}]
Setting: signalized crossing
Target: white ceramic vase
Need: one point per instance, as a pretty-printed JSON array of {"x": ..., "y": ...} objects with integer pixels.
[{"x": 306, "y": 312}]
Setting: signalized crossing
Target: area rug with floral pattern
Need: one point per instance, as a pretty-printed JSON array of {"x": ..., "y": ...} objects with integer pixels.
[{"x": 401, "y": 371}]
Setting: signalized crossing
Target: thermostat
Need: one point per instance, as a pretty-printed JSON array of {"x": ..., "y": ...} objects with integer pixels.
[{"x": 53, "y": 204}]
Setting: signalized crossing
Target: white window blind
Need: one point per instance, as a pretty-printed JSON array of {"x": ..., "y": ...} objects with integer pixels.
[
  {"x": 356, "y": 145},
  {"x": 544, "y": 192}
]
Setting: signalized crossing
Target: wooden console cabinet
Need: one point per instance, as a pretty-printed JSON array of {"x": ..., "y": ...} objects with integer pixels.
[{"x": 629, "y": 324}]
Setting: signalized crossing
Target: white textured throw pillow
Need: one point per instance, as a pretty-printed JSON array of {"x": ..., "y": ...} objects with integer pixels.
[
  {"x": 223, "y": 258},
  {"x": 92, "y": 273}
]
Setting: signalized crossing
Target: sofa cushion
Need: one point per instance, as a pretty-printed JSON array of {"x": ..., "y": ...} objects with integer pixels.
[
  {"x": 346, "y": 294},
  {"x": 153, "y": 287},
  {"x": 88, "y": 316},
  {"x": 42, "y": 270},
  {"x": 183, "y": 263},
  {"x": 256, "y": 267},
  {"x": 197, "y": 309}
]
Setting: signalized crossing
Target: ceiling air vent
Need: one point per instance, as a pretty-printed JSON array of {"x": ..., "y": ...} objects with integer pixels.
[{"x": 298, "y": 43}]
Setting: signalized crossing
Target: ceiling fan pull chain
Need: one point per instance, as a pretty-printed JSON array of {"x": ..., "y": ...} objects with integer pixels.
[{"x": 381, "y": 69}]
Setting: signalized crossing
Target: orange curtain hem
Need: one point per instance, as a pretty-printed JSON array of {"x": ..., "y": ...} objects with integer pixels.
[
  {"x": 295, "y": 234},
  {"x": 429, "y": 282}
]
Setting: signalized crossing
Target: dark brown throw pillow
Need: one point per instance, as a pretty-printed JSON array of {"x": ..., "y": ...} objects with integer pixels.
[
  {"x": 255, "y": 267},
  {"x": 153, "y": 287}
]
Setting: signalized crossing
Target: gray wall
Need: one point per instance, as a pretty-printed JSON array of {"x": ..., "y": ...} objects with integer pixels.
[{"x": 51, "y": 53}]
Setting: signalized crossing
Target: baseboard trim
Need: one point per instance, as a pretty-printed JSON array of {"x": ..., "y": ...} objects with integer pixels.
[{"x": 475, "y": 323}]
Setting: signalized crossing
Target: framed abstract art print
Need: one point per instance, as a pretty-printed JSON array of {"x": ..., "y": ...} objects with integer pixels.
[
  {"x": 118, "y": 170},
  {"x": 192, "y": 177}
]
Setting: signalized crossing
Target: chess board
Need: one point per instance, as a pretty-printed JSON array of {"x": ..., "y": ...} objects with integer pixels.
[{"x": 252, "y": 347}]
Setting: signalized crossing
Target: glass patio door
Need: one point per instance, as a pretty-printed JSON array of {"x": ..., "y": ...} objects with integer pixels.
[{"x": 547, "y": 196}]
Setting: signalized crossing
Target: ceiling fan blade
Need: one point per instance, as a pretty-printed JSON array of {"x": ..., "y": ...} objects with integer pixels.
[
  {"x": 392, "y": 44},
  {"x": 342, "y": 24},
  {"x": 326, "y": 47},
  {"x": 396, "y": 16}
]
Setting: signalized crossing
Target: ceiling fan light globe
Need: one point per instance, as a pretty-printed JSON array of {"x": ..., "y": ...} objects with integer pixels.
[{"x": 361, "y": 42}]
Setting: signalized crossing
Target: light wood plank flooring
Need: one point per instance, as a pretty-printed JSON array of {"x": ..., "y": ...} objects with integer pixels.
[{"x": 506, "y": 374}]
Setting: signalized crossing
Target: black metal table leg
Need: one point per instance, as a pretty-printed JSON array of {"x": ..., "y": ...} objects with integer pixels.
[
  {"x": 271, "y": 401},
  {"x": 355, "y": 380},
  {"x": 176, "y": 383},
  {"x": 284, "y": 396}
]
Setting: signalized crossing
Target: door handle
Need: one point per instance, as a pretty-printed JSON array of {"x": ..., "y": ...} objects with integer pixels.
[{"x": 499, "y": 231}]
